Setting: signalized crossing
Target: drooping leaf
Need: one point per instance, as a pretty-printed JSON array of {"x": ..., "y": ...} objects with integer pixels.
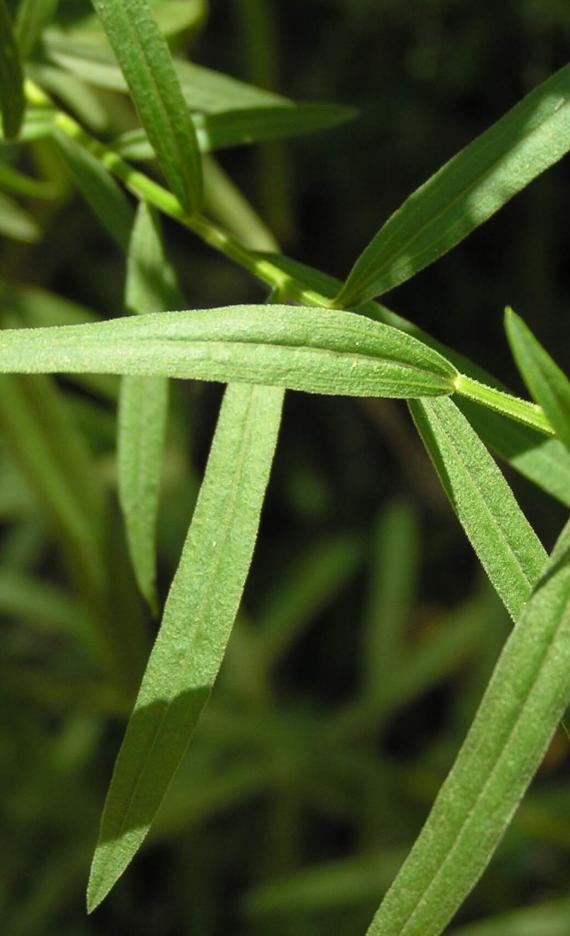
[
  {"x": 103, "y": 195},
  {"x": 197, "y": 622},
  {"x": 524, "y": 702},
  {"x": 143, "y": 408},
  {"x": 203, "y": 89},
  {"x": 546, "y": 382},
  {"x": 145, "y": 60},
  {"x": 315, "y": 350},
  {"x": 466, "y": 191},
  {"x": 504, "y": 541},
  {"x": 245, "y": 127},
  {"x": 12, "y": 102}
]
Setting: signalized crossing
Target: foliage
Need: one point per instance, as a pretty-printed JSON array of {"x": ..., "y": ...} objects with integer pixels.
[{"x": 105, "y": 104}]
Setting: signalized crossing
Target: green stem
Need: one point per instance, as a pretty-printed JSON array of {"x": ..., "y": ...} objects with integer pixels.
[{"x": 521, "y": 410}]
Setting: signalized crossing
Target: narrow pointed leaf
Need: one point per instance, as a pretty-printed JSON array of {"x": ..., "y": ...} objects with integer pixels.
[
  {"x": 197, "y": 622},
  {"x": 524, "y": 702},
  {"x": 504, "y": 541},
  {"x": 17, "y": 223},
  {"x": 546, "y": 382},
  {"x": 145, "y": 60},
  {"x": 466, "y": 191},
  {"x": 315, "y": 350},
  {"x": 143, "y": 408},
  {"x": 12, "y": 101},
  {"x": 245, "y": 127},
  {"x": 103, "y": 195}
]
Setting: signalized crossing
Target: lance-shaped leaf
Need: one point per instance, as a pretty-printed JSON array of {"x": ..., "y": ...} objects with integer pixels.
[
  {"x": 466, "y": 191},
  {"x": 523, "y": 704},
  {"x": 197, "y": 621},
  {"x": 546, "y": 382},
  {"x": 31, "y": 19},
  {"x": 106, "y": 199},
  {"x": 245, "y": 127},
  {"x": 315, "y": 350},
  {"x": 504, "y": 541},
  {"x": 17, "y": 223},
  {"x": 143, "y": 407},
  {"x": 12, "y": 101},
  {"x": 144, "y": 57}
]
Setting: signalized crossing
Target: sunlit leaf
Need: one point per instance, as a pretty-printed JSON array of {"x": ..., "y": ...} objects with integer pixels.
[
  {"x": 145, "y": 60},
  {"x": 315, "y": 350},
  {"x": 547, "y": 383},
  {"x": 466, "y": 191},
  {"x": 197, "y": 622},
  {"x": 504, "y": 541},
  {"x": 522, "y": 706}
]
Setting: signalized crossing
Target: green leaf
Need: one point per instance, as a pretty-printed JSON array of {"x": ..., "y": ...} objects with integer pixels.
[
  {"x": 145, "y": 60},
  {"x": 31, "y": 19},
  {"x": 203, "y": 89},
  {"x": 547, "y": 919},
  {"x": 314, "y": 350},
  {"x": 505, "y": 543},
  {"x": 245, "y": 127},
  {"x": 103, "y": 195},
  {"x": 466, "y": 191},
  {"x": 12, "y": 102},
  {"x": 524, "y": 702},
  {"x": 143, "y": 408},
  {"x": 225, "y": 203},
  {"x": 546, "y": 382},
  {"x": 17, "y": 223},
  {"x": 197, "y": 621}
]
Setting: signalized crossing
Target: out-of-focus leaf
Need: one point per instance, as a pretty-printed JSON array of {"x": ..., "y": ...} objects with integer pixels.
[
  {"x": 31, "y": 19},
  {"x": 17, "y": 223},
  {"x": 76, "y": 95},
  {"x": 315, "y": 350},
  {"x": 143, "y": 408},
  {"x": 524, "y": 702},
  {"x": 12, "y": 180},
  {"x": 145, "y": 60},
  {"x": 245, "y": 127},
  {"x": 466, "y": 191},
  {"x": 546, "y": 382},
  {"x": 197, "y": 622},
  {"x": 12, "y": 102},
  {"x": 225, "y": 203},
  {"x": 551, "y": 918},
  {"x": 203, "y": 89},
  {"x": 98, "y": 187},
  {"x": 504, "y": 541}
]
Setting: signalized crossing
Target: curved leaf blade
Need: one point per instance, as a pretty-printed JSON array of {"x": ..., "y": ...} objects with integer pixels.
[
  {"x": 198, "y": 618},
  {"x": 144, "y": 57},
  {"x": 314, "y": 350},
  {"x": 546, "y": 382},
  {"x": 524, "y": 702},
  {"x": 507, "y": 547},
  {"x": 466, "y": 191},
  {"x": 12, "y": 101}
]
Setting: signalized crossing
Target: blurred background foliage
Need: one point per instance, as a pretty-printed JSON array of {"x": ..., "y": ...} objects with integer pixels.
[{"x": 366, "y": 633}]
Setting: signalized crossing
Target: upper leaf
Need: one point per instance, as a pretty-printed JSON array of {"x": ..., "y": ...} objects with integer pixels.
[
  {"x": 11, "y": 78},
  {"x": 466, "y": 191},
  {"x": 144, "y": 57},
  {"x": 546, "y": 382},
  {"x": 315, "y": 350}
]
